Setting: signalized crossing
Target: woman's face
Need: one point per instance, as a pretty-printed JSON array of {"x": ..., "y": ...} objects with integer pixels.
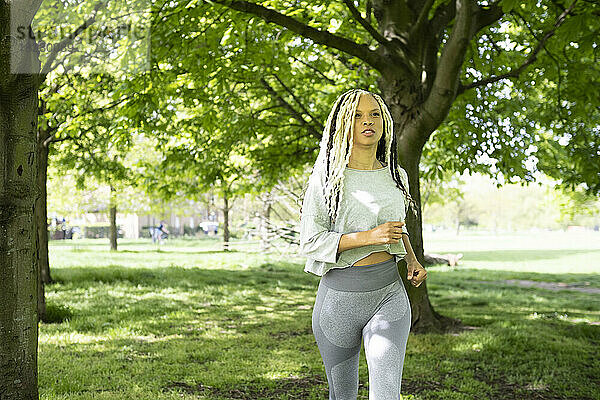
[{"x": 367, "y": 117}]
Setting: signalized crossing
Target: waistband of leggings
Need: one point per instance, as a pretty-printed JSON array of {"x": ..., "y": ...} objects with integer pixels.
[{"x": 362, "y": 278}]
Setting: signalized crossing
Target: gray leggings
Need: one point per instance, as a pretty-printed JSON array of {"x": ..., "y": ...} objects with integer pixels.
[{"x": 370, "y": 302}]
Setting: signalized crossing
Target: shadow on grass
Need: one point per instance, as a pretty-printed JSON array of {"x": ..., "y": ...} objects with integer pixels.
[
  {"x": 178, "y": 277},
  {"x": 521, "y": 255},
  {"x": 178, "y": 251},
  {"x": 294, "y": 386},
  {"x": 198, "y": 360},
  {"x": 460, "y": 275},
  {"x": 519, "y": 361}
]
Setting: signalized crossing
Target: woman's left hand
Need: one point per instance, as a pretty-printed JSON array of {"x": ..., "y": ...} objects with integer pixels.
[{"x": 416, "y": 273}]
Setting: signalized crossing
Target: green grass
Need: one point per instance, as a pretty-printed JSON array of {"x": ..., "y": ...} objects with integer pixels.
[{"x": 193, "y": 322}]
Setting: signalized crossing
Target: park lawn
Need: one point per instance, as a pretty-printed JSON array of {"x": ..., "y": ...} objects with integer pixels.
[{"x": 190, "y": 321}]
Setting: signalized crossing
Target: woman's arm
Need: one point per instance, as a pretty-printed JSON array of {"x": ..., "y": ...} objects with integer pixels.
[
  {"x": 352, "y": 240},
  {"x": 416, "y": 274},
  {"x": 381, "y": 234},
  {"x": 410, "y": 254}
]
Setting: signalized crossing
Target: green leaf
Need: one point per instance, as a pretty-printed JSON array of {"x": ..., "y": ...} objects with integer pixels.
[{"x": 508, "y": 5}]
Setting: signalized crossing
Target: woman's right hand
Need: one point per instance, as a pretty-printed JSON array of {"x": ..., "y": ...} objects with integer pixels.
[{"x": 387, "y": 233}]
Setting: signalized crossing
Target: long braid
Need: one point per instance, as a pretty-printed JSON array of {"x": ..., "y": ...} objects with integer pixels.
[
  {"x": 410, "y": 203},
  {"x": 391, "y": 156},
  {"x": 339, "y": 158}
]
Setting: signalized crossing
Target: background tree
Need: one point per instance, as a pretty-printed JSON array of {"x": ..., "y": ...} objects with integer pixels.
[
  {"x": 577, "y": 207},
  {"x": 439, "y": 186},
  {"x": 100, "y": 142},
  {"x": 48, "y": 126},
  {"x": 197, "y": 160},
  {"x": 75, "y": 51}
]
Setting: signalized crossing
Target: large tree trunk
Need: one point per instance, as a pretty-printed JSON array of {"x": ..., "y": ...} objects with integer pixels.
[
  {"x": 402, "y": 99},
  {"x": 424, "y": 317},
  {"x": 113, "y": 219},
  {"x": 225, "y": 221},
  {"x": 42, "y": 215},
  {"x": 18, "y": 192}
]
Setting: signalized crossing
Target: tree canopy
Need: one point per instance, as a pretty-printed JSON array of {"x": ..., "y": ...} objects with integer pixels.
[{"x": 267, "y": 73}]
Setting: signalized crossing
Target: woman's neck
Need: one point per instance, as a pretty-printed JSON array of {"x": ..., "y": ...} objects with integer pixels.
[{"x": 364, "y": 163}]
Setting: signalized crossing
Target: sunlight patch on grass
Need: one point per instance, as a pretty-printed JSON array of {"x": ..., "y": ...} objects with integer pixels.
[
  {"x": 66, "y": 338},
  {"x": 557, "y": 316}
]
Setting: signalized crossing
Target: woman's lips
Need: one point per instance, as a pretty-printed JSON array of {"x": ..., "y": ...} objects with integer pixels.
[{"x": 368, "y": 132}]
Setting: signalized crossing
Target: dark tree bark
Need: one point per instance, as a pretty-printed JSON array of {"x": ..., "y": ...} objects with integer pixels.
[
  {"x": 19, "y": 82},
  {"x": 113, "y": 219},
  {"x": 44, "y": 139},
  {"x": 41, "y": 216}
]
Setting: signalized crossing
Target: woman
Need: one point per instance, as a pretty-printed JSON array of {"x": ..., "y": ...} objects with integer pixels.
[{"x": 353, "y": 234}]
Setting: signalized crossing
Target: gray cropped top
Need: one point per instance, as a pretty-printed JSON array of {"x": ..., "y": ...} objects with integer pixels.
[{"x": 370, "y": 198}]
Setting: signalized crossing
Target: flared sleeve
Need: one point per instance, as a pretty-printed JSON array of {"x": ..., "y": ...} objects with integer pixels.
[{"x": 317, "y": 240}]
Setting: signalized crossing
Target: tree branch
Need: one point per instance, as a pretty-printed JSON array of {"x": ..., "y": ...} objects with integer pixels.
[
  {"x": 263, "y": 123},
  {"x": 68, "y": 40},
  {"x": 255, "y": 113},
  {"x": 557, "y": 4},
  {"x": 56, "y": 140},
  {"x": 443, "y": 90},
  {"x": 421, "y": 19},
  {"x": 486, "y": 16},
  {"x": 314, "y": 120},
  {"x": 291, "y": 109},
  {"x": 289, "y": 142},
  {"x": 369, "y": 28},
  {"x": 52, "y": 131},
  {"x": 369, "y": 10},
  {"x": 331, "y": 81},
  {"x": 316, "y": 35},
  {"x": 49, "y": 135},
  {"x": 494, "y": 45},
  {"x": 442, "y": 16},
  {"x": 514, "y": 73}
]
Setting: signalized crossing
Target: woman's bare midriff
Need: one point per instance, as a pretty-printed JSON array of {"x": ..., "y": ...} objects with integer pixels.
[{"x": 373, "y": 258}]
